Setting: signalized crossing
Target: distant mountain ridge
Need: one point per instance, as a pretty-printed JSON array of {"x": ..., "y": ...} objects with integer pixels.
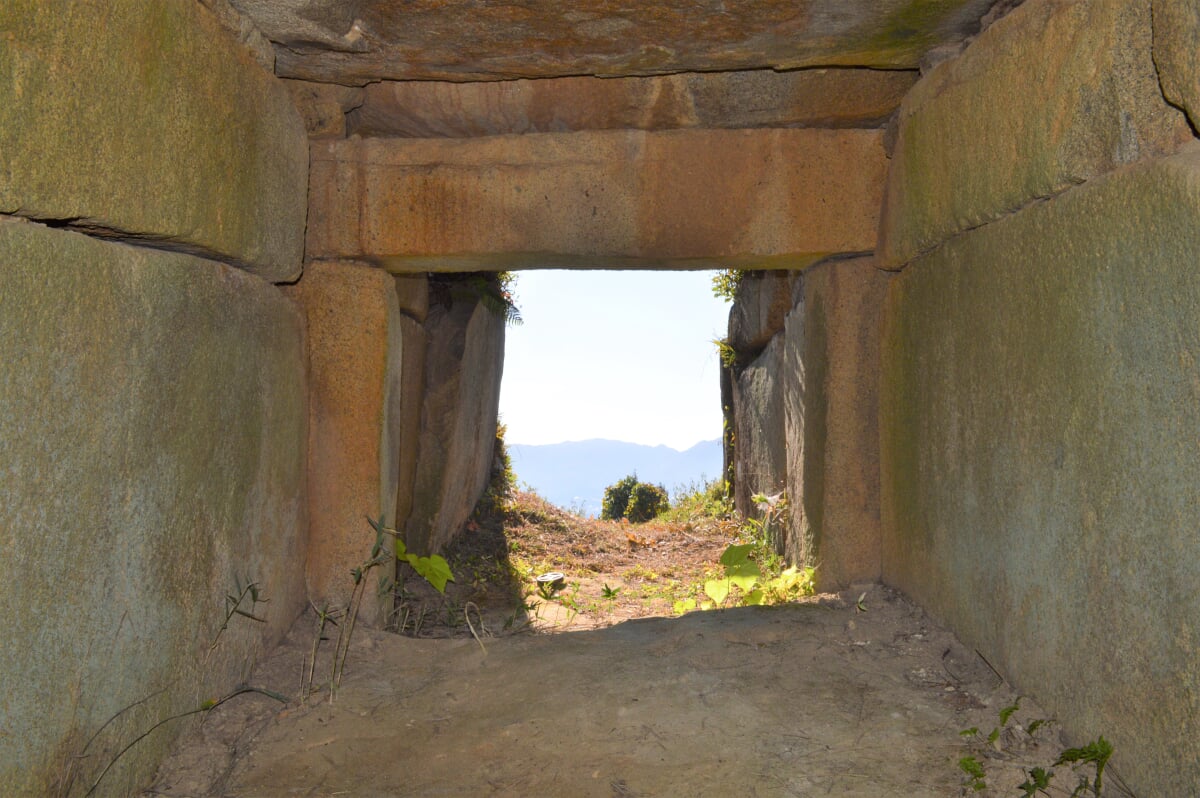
[{"x": 574, "y": 474}]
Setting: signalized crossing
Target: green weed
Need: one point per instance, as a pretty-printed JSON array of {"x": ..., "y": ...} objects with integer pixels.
[{"x": 1093, "y": 756}]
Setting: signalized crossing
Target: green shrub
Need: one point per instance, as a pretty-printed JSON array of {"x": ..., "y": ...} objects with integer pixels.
[
  {"x": 698, "y": 500},
  {"x": 616, "y": 499},
  {"x": 725, "y": 283},
  {"x": 646, "y": 502},
  {"x": 637, "y": 501}
]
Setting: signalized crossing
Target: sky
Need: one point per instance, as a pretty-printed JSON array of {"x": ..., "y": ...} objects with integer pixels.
[{"x": 623, "y": 355}]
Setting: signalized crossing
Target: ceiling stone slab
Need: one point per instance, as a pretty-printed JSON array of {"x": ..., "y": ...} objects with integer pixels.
[
  {"x": 682, "y": 199},
  {"x": 759, "y": 98},
  {"x": 365, "y": 40}
]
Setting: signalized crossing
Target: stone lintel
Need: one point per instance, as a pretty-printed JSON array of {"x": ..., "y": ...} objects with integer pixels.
[{"x": 617, "y": 199}]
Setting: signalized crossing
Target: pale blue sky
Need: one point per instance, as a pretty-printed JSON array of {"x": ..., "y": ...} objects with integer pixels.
[{"x": 624, "y": 355}]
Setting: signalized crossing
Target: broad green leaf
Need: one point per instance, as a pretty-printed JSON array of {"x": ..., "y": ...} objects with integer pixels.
[
  {"x": 685, "y": 605},
  {"x": 717, "y": 589},
  {"x": 753, "y": 598},
  {"x": 736, "y": 554},
  {"x": 401, "y": 549},
  {"x": 745, "y": 575},
  {"x": 747, "y": 568},
  {"x": 436, "y": 571},
  {"x": 744, "y": 583}
]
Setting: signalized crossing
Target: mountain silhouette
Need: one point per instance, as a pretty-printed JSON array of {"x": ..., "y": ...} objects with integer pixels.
[{"x": 573, "y": 475}]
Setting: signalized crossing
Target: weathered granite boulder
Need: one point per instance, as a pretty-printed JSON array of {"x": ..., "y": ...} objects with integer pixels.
[
  {"x": 413, "y": 292},
  {"x": 414, "y": 349},
  {"x": 760, "y": 452},
  {"x": 759, "y": 98},
  {"x": 764, "y": 299},
  {"x": 356, "y": 407},
  {"x": 1177, "y": 54},
  {"x": 460, "y": 40},
  {"x": 1039, "y": 409},
  {"x": 464, "y": 362},
  {"x": 182, "y": 140},
  {"x": 618, "y": 198},
  {"x": 1049, "y": 96},
  {"x": 153, "y": 420},
  {"x": 830, "y": 381}
]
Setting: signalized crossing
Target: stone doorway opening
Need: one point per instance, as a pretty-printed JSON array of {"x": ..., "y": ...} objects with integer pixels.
[
  {"x": 612, "y": 372},
  {"x": 601, "y": 364}
]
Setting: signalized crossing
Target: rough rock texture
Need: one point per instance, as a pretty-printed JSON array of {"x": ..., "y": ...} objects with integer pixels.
[
  {"x": 804, "y": 410},
  {"x": 356, "y": 406},
  {"x": 244, "y": 31},
  {"x": 728, "y": 424},
  {"x": 760, "y": 453},
  {"x": 413, "y": 292},
  {"x": 1177, "y": 54},
  {"x": 354, "y": 43},
  {"x": 1040, "y": 401},
  {"x": 760, "y": 98},
  {"x": 830, "y": 386},
  {"x": 324, "y": 106},
  {"x": 415, "y": 345},
  {"x": 153, "y": 424},
  {"x": 1049, "y": 96},
  {"x": 199, "y": 151},
  {"x": 763, "y": 302},
  {"x": 626, "y": 198},
  {"x": 463, "y": 365}
]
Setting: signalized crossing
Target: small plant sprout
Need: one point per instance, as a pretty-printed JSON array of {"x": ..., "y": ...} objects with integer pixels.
[
  {"x": 1038, "y": 781},
  {"x": 233, "y": 606},
  {"x": 976, "y": 778},
  {"x": 860, "y": 605},
  {"x": 609, "y": 592},
  {"x": 1095, "y": 753},
  {"x": 434, "y": 569}
]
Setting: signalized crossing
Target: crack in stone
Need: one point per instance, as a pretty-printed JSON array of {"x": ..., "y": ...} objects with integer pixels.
[{"x": 92, "y": 229}]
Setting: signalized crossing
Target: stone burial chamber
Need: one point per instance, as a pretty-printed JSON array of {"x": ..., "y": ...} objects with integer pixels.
[{"x": 245, "y": 248}]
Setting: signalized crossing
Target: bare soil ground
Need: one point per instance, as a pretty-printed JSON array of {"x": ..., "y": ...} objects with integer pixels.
[{"x": 594, "y": 692}]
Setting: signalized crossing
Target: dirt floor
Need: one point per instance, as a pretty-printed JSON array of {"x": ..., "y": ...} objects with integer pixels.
[{"x": 575, "y": 693}]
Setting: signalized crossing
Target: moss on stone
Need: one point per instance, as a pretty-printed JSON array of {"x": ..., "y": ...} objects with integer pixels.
[
  {"x": 179, "y": 137},
  {"x": 154, "y": 428},
  {"x": 1040, "y": 401}
]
